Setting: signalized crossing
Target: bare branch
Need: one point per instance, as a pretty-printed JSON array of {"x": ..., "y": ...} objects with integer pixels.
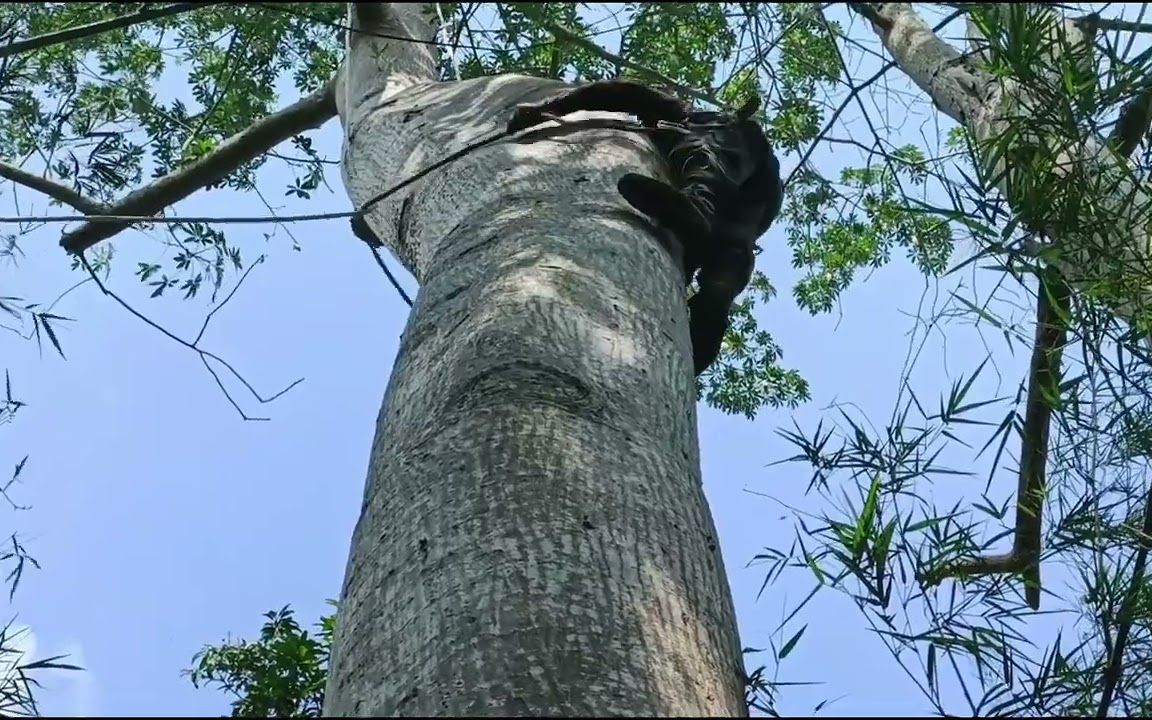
[
  {"x": 205, "y": 356},
  {"x": 305, "y": 114}
]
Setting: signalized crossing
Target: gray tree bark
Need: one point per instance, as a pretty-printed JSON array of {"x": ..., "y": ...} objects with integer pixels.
[{"x": 534, "y": 538}]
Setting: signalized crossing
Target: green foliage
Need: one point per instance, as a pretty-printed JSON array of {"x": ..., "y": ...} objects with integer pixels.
[
  {"x": 683, "y": 41},
  {"x": 834, "y": 245},
  {"x": 747, "y": 374},
  {"x": 89, "y": 108},
  {"x": 281, "y": 674},
  {"x": 522, "y": 44}
]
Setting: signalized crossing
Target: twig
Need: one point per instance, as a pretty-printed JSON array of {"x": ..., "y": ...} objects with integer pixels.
[
  {"x": 208, "y": 318},
  {"x": 204, "y": 354},
  {"x": 853, "y": 92}
]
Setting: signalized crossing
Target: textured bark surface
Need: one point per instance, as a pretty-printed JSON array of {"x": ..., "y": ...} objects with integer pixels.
[
  {"x": 534, "y": 538},
  {"x": 1113, "y": 211}
]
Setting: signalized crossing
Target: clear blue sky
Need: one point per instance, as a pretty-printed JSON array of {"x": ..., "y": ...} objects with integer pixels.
[{"x": 164, "y": 522}]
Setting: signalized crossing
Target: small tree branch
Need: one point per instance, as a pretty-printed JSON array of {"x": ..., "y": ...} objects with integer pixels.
[
  {"x": 248, "y": 144},
  {"x": 57, "y": 191},
  {"x": 82, "y": 31},
  {"x": 194, "y": 346}
]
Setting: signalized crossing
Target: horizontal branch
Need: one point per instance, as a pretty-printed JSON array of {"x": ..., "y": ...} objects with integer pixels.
[{"x": 305, "y": 114}]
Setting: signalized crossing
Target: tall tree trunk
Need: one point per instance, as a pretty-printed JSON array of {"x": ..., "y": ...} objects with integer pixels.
[{"x": 534, "y": 539}]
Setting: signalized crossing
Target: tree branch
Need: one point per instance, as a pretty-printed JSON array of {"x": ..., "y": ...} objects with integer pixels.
[
  {"x": 375, "y": 64},
  {"x": 82, "y": 31},
  {"x": 57, "y": 191},
  {"x": 194, "y": 346},
  {"x": 305, "y": 114}
]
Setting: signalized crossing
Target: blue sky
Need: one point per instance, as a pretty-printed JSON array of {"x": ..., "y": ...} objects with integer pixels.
[{"x": 164, "y": 522}]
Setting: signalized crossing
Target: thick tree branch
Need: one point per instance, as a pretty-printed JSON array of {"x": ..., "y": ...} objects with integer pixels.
[
  {"x": 391, "y": 46},
  {"x": 305, "y": 114},
  {"x": 51, "y": 188},
  {"x": 1099, "y": 230}
]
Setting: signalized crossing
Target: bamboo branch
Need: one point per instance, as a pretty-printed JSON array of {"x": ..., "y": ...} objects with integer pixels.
[
  {"x": 1052, "y": 310},
  {"x": 1114, "y": 669}
]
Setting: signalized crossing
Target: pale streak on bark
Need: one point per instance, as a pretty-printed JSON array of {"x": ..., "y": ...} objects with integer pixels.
[
  {"x": 534, "y": 538},
  {"x": 1113, "y": 206}
]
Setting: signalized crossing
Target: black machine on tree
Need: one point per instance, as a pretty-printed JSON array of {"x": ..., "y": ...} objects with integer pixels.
[{"x": 727, "y": 191}]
